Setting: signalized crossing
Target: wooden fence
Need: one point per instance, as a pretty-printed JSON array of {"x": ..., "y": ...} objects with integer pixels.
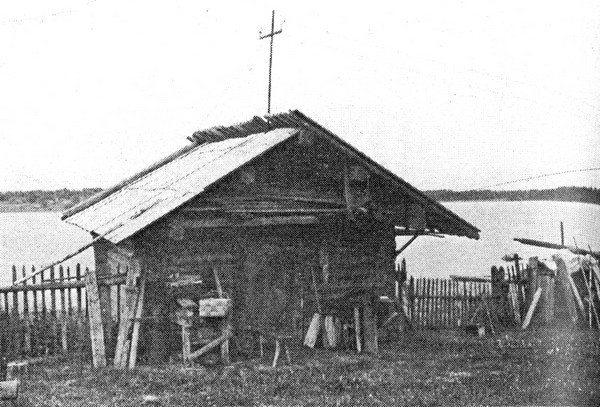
[
  {"x": 44, "y": 315},
  {"x": 433, "y": 302}
]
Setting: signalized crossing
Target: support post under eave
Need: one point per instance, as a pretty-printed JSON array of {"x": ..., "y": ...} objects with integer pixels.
[{"x": 412, "y": 239}]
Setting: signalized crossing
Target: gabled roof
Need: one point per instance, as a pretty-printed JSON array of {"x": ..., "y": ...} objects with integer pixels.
[{"x": 132, "y": 205}]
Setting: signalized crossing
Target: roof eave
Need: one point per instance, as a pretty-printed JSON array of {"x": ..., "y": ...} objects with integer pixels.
[{"x": 473, "y": 231}]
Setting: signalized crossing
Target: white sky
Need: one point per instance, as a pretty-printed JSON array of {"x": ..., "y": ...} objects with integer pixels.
[{"x": 447, "y": 94}]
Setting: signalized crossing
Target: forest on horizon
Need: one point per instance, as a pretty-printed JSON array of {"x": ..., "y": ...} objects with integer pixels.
[
  {"x": 565, "y": 194},
  {"x": 59, "y": 200}
]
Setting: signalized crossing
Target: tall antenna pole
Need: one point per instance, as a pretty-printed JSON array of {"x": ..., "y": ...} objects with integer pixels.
[{"x": 270, "y": 35}]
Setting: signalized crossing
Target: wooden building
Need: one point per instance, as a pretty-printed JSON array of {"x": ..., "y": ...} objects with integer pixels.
[{"x": 277, "y": 214}]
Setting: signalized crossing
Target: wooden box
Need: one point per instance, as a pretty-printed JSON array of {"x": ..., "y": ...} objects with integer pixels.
[{"x": 214, "y": 307}]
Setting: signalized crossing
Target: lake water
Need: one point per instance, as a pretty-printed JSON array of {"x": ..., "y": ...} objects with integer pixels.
[
  {"x": 41, "y": 237},
  {"x": 38, "y": 238}
]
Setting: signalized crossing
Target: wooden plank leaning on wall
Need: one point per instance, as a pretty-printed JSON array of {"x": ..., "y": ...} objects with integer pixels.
[
  {"x": 133, "y": 301},
  {"x": 95, "y": 317}
]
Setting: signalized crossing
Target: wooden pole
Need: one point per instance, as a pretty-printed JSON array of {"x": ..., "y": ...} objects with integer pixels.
[
  {"x": 35, "y": 317},
  {"x": 128, "y": 314},
  {"x": 53, "y": 313},
  {"x": 26, "y": 319},
  {"x": 63, "y": 314},
  {"x": 357, "y": 333},
  {"x": 548, "y": 245},
  {"x": 136, "y": 324},
  {"x": 15, "y": 318},
  {"x": 95, "y": 317},
  {"x": 536, "y": 298}
]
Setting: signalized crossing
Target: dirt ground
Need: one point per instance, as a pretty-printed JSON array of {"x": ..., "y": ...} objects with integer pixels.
[{"x": 558, "y": 366}]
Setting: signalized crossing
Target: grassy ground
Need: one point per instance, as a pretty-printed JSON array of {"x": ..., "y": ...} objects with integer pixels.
[{"x": 547, "y": 367}]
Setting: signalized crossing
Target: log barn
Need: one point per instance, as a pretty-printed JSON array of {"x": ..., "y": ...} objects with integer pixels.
[{"x": 276, "y": 215}]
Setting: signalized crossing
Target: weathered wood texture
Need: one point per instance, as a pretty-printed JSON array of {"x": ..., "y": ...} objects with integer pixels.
[
  {"x": 267, "y": 271},
  {"x": 95, "y": 319},
  {"x": 443, "y": 303},
  {"x": 451, "y": 303}
]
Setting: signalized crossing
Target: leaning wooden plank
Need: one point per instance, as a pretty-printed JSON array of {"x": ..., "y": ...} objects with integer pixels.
[
  {"x": 127, "y": 315},
  {"x": 95, "y": 319},
  {"x": 536, "y": 298},
  {"x": 210, "y": 346},
  {"x": 313, "y": 331},
  {"x": 139, "y": 309},
  {"x": 9, "y": 390},
  {"x": 315, "y": 324},
  {"x": 357, "y": 329},
  {"x": 185, "y": 343},
  {"x": 277, "y": 353},
  {"x": 596, "y": 269},
  {"x": 217, "y": 281},
  {"x": 226, "y": 327},
  {"x": 514, "y": 302}
]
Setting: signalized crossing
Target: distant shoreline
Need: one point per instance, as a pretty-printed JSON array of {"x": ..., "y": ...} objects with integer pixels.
[
  {"x": 561, "y": 194},
  {"x": 43, "y": 201},
  {"x": 60, "y": 200}
]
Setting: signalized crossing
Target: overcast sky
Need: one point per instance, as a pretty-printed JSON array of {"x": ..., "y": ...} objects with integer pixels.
[{"x": 446, "y": 94}]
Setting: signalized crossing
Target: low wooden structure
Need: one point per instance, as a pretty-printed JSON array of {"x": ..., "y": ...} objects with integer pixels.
[{"x": 277, "y": 214}]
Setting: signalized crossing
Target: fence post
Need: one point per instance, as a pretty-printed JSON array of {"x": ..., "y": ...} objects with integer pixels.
[
  {"x": 53, "y": 313},
  {"x": 26, "y": 317},
  {"x": 35, "y": 317},
  {"x": 16, "y": 345},
  {"x": 63, "y": 311},
  {"x": 411, "y": 299},
  {"x": 44, "y": 340},
  {"x": 79, "y": 325}
]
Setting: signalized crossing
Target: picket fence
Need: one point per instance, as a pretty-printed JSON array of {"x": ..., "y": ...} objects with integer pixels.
[
  {"x": 433, "y": 302},
  {"x": 444, "y": 302},
  {"x": 45, "y": 315}
]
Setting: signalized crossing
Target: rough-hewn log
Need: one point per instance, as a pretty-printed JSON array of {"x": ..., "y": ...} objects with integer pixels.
[
  {"x": 548, "y": 245},
  {"x": 255, "y": 222}
]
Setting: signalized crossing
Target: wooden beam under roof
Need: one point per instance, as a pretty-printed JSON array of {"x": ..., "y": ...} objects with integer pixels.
[{"x": 261, "y": 221}]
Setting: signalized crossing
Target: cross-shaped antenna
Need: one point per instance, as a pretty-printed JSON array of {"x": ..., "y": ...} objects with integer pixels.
[{"x": 270, "y": 35}]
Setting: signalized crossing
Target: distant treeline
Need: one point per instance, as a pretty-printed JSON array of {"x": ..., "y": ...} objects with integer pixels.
[
  {"x": 571, "y": 194},
  {"x": 58, "y": 200},
  {"x": 61, "y": 199}
]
